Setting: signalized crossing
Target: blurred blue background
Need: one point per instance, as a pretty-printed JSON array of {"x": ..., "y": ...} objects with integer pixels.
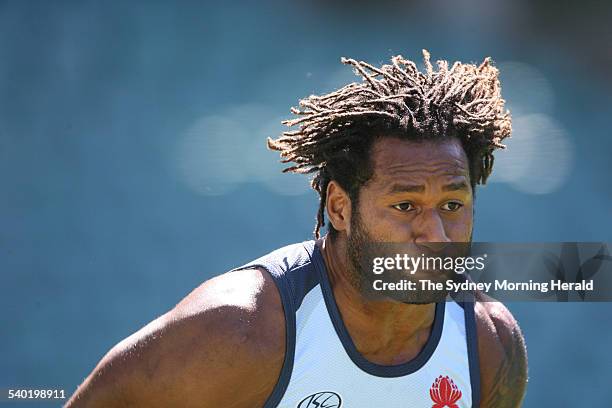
[{"x": 133, "y": 163}]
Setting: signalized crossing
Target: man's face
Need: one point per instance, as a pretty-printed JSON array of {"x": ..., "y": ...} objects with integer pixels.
[{"x": 419, "y": 194}]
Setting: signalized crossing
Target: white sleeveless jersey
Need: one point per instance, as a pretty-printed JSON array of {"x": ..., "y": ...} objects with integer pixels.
[{"x": 323, "y": 369}]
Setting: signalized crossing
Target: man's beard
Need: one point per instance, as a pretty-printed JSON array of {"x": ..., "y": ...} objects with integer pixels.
[
  {"x": 362, "y": 248},
  {"x": 357, "y": 241}
]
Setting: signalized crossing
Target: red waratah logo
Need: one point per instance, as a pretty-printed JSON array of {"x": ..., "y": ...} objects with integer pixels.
[{"x": 444, "y": 393}]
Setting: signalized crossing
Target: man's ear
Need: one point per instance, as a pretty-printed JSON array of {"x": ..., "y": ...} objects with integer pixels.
[{"x": 338, "y": 206}]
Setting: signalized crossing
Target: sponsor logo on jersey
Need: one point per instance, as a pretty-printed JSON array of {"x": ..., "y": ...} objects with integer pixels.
[{"x": 325, "y": 399}]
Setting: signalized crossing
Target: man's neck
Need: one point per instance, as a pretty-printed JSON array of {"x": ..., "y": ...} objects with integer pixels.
[{"x": 384, "y": 331}]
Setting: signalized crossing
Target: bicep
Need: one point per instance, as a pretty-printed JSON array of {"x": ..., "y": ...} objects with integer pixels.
[
  {"x": 503, "y": 360},
  {"x": 117, "y": 379}
]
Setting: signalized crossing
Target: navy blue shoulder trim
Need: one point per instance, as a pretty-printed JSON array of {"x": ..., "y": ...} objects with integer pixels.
[
  {"x": 292, "y": 271},
  {"x": 472, "y": 349}
]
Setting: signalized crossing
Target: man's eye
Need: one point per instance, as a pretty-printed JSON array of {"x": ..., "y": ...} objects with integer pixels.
[
  {"x": 406, "y": 206},
  {"x": 452, "y": 206}
]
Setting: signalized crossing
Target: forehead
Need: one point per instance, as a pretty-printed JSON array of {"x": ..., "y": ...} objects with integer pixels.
[{"x": 393, "y": 157}]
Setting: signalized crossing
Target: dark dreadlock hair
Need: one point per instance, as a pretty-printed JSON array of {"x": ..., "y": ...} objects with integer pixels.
[{"x": 337, "y": 130}]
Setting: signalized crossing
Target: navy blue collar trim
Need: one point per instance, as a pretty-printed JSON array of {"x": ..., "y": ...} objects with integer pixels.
[{"x": 369, "y": 367}]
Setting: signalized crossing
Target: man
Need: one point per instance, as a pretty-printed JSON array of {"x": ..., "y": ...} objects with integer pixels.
[{"x": 396, "y": 158}]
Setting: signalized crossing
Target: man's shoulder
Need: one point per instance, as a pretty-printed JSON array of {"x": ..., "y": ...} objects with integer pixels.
[
  {"x": 246, "y": 299},
  {"x": 235, "y": 325},
  {"x": 503, "y": 355},
  {"x": 242, "y": 305},
  {"x": 229, "y": 332}
]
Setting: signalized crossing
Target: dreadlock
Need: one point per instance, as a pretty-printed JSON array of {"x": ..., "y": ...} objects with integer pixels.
[{"x": 337, "y": 130}]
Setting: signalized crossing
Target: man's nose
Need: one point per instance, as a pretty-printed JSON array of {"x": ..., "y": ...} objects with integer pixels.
[{"x": 428, "y": 230}]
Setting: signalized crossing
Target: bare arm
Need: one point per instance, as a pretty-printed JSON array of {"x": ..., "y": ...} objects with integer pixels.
[
  {"x": 503, "y": 357},
  {"x": 223, "y": 345}
]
